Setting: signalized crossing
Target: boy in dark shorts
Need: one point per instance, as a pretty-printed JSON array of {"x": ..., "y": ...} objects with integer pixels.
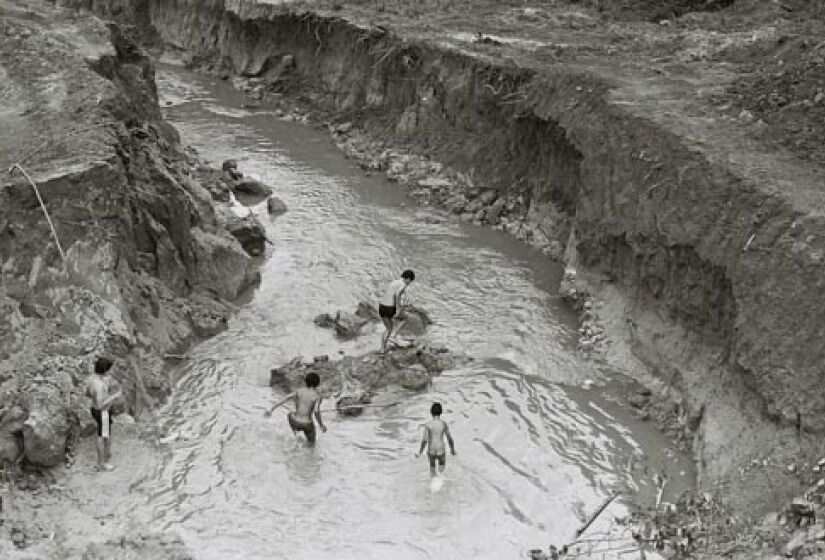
[
  {"x": 104, "y": 390},
  {"x": 435, "y": 431},
  {"x": 307, "y": 402},
  {"x": 390, "y": 304}
]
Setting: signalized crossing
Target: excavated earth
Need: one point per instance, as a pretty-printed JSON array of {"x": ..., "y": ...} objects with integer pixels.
[
  {"x": 139, "y": 262},
  {"x": 673, "y": 166}
]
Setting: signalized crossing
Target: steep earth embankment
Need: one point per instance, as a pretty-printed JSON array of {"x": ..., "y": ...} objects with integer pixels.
[
  {"x": 707, "y": 246},
  {"x": 148, "y": 265}
]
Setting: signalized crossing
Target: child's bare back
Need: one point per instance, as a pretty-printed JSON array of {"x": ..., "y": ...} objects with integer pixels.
[{"x": 435, "y": 432}]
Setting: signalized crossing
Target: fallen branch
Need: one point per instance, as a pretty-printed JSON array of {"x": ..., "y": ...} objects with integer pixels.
[
  {"x": 354, "y": 406},
  {"x": 596, "y": 514},
  {"x": 42, "y": 205}
]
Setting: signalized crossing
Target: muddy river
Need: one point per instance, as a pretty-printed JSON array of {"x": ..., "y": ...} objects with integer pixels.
[{"x": 536, "y": 454}]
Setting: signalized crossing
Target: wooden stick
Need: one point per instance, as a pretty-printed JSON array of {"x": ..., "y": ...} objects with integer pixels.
[
  {"x": 42, "y": 205},
  {"x": 349, "y": 407},
  {"x": 596, "y": 514}
]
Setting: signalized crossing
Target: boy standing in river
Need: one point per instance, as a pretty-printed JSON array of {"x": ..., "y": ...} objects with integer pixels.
[
  {"x": 389, "y": 306},
  {"x": 307, "y": 403},
  {"x": 435, "y": 431}
]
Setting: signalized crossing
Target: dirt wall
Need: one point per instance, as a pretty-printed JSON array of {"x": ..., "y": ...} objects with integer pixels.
[
  {"x": 719, "y": 265},
  {"x": 148, "y": 266}
]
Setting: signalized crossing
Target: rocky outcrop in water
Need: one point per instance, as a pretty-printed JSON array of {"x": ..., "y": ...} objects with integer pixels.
[
  {"x": 348, "y": 325},
  {"x": 356, "y": 380}
]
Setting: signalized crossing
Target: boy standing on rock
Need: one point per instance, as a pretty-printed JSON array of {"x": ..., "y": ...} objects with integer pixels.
[
  {"x": 435, "y": 431},
  {"x": 104, "y": 390},
  {"x": 390, "y": 304},
  {"x": 307, "y": 402}
]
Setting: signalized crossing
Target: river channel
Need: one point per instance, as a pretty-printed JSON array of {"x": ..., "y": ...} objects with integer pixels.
[{"x": 536, "y": 453}]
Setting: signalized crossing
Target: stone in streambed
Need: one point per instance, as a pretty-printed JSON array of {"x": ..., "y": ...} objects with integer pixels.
[
  {"x": 349, "y": 405},
  {"x": 249, "y": 233},
  {"x": 251, "y": 187},
  {"x": 415, "y": 378},
  {"x": 494, "y": 212},
  {"x": 275, "y": 206},
  {"x": 348, "y": 325},
  {"x": 230, "y": 168}
]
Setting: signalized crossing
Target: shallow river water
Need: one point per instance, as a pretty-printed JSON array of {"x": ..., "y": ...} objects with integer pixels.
[{"x": 536, "y": 454}]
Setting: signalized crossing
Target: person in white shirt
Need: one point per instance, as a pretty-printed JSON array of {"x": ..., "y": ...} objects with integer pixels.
[{"x": 389, "y": 305}]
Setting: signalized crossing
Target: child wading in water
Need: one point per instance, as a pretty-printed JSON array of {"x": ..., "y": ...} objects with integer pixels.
[
  {"x": 434, "y": 433},
  {"x": 307, "y": 402}
]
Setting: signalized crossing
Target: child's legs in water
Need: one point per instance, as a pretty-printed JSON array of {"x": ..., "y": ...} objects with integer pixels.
[{"x": 440, "y": 459}]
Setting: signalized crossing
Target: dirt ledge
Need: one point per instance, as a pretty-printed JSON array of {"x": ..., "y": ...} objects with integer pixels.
[{"x": 149, "y": 265}]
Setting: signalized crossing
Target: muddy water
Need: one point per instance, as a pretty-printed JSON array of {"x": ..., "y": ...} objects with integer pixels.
[{"x": 533, "y": 457}]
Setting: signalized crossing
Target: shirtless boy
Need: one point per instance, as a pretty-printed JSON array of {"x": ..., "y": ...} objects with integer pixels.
[
  {"x": 434, "y": 433},
  {"x": 307, "y": 402},
  {"x": 389, "y": 306},
  {"x": 104, "y": 390}
]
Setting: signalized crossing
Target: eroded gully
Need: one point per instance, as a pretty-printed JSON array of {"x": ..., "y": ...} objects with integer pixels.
[{"x": 536, "y": 454}]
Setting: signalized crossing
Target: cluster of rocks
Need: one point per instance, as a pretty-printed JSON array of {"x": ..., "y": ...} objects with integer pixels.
[
  {"x": 348, "y": 325},
  {"x": 356, "y": 380},
  {"x": 244, "y": 226},
  {"x": 803, "y": 517},
  {"x": 592, "y": 337},
  {"x": 237, "y": 183},
  {"x": 431, "y": 184}
]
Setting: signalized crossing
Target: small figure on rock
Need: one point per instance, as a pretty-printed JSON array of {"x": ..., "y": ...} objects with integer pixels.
[
  {"x": 307, "y": 402},
  {"x": 104, "y": 390},
  {"x": 390, "y": 306},
  {"x": 435, "y": 431}
]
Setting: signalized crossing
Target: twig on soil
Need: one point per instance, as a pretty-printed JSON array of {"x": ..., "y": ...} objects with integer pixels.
[
  {"x": 42, "y": 205},
  {"x": 596, "y": 514}
]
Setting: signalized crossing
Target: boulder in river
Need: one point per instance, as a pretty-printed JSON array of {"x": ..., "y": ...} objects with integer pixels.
[
  {"x": 275, "y": 206},
  {"x": 250, "y": 234},
  {"x": 494, "y": 211},
  {"x": 230, "y": 168},
  {"x": 251, "y": 187},
  {"x": 348, "y": 325}
]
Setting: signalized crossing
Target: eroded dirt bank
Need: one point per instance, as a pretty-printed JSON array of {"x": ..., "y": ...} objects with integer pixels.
[{"x": 149, "y": 264}]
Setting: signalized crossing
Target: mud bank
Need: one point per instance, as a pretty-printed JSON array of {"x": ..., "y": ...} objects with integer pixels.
[
  {"x": 705, "y": 248},
  {"x": 144, "y": 266}
]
